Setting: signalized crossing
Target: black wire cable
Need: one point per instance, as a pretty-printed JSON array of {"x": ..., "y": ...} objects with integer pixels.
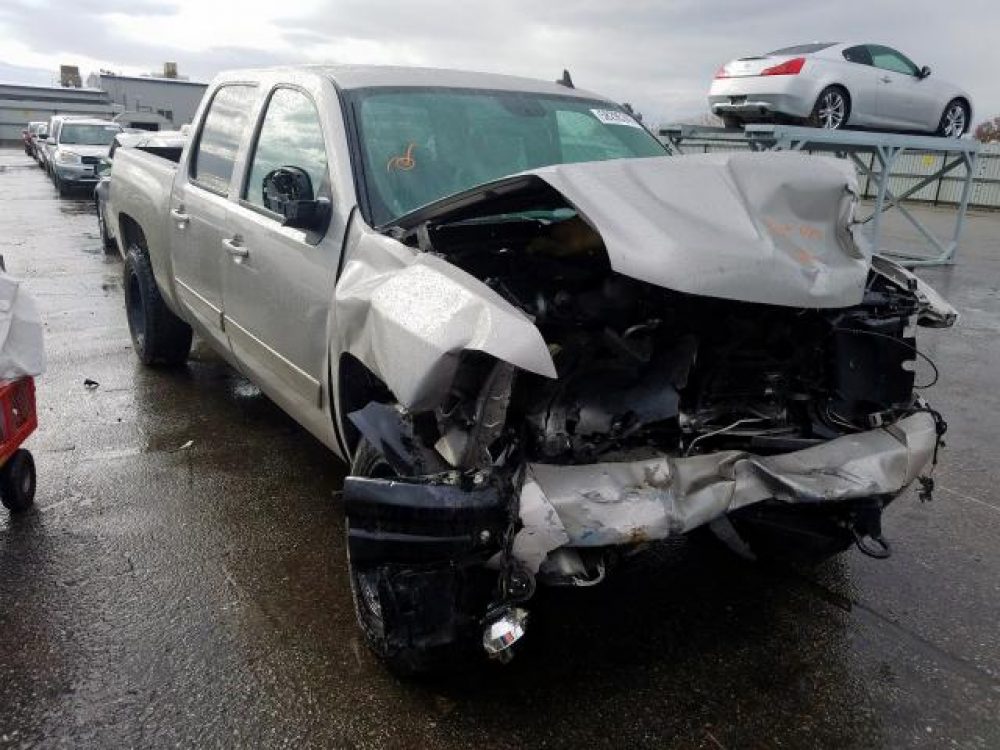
[{"x": 910, "y": 347}]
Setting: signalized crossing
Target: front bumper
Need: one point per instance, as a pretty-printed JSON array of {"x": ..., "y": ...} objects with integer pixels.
[
  {"x": 77, "y": 174},
  {"x": 611, "y": 504}
]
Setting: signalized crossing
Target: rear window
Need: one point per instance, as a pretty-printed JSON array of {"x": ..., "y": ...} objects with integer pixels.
[
  {"x": 859, "y": 54},
  {"x": 225, "y": 126},
  {"x": 802, "y": 49}
]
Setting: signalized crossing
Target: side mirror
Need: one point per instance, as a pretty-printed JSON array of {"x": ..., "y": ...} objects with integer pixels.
[
  {"x": 924, "y": 72},
  {"x": 288, "y": 191}
]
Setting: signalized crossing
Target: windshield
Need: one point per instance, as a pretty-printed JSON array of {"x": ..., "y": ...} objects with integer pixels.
[
  {"x": 421, "y": 144},
  {"x": 88, "y": 135}
]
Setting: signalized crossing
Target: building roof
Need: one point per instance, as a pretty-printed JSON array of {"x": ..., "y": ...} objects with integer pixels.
[{"x": 152, "y": 79}]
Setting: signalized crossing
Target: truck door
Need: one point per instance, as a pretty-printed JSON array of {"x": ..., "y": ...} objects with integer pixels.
[
  {"x": 278, "y": 280},
  {"x": 199, "y": 204}
]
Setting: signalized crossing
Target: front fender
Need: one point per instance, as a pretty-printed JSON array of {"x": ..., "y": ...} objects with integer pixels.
[{"x": 408, "y": 316}]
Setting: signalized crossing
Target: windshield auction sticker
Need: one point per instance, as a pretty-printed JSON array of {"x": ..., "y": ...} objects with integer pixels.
[{"x": 614, "y": 117}]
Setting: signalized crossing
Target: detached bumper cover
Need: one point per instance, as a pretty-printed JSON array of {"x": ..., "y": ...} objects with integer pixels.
[{"x": 625, "y": 503}]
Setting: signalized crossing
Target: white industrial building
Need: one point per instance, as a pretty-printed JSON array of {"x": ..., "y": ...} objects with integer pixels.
[
  {"x": 150, "y": 102},
  {"x": 21, "y": 104}
]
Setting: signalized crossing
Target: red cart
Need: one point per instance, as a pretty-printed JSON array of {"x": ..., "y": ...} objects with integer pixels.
[{"x": 18, "y": 420}]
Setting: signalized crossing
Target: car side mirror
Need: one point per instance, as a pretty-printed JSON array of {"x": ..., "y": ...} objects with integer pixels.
[
  {"x": 288, "y": 191},
  {"x": 924, "y": 72}
]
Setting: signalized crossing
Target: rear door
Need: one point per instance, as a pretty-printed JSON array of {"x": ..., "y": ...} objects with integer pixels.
[
  {"x": 903, "y": 99},
  {"x": 199, "y": 205},
  {"x": 278, "y": 282}
]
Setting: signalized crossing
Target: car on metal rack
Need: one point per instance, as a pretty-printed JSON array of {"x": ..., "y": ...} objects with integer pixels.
[{"x": 837, "y": 85}]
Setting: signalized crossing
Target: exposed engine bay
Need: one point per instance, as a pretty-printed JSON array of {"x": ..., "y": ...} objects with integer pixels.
[
  {"x": 641, "y": 367},
  {"x": 557, "y": 388}
]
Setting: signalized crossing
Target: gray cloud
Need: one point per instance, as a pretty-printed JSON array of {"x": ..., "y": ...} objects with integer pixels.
[{"x": 658, "y": 55}]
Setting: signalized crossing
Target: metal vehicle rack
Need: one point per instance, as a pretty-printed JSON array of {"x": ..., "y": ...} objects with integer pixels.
[{"x": 884, "y": 148}]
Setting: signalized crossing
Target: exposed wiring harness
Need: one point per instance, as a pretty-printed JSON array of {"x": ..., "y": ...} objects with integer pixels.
[{"x": 902, "y": 343}]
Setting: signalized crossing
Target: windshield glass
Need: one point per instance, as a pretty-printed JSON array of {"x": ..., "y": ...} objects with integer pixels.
[
  {"x": 88, "y": 135},
  {"x": 421, "y": 144}
]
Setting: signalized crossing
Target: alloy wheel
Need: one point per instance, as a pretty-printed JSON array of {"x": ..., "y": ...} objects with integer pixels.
[
  {"x": 954, "y": 121},
  {"x": 831, "y": 110}
]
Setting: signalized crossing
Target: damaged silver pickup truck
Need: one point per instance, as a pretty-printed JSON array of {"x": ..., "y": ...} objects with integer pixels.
[{"x": 541, "y": 341}]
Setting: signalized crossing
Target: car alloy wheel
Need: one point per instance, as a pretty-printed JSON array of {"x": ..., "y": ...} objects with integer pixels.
[
  {"x": 831, "y": 110},
  {"x": 954, "y": 121}
]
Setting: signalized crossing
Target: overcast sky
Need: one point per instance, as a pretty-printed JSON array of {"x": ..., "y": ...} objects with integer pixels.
[{"x": 658, "y": 55}]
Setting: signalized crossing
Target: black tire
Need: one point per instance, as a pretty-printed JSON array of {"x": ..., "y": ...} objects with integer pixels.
[
  {"x": 17, "y": 481},
  {"x": 402, "y": 651},
  {"x": 60, "y": 186},
  {"x": 832, "y": 109},
  {"x": 948, "y": 127},
  {"x": 107, "y": 242},
  {"x": 158, "y": 336},
  {"x": 732, "y": 123}
]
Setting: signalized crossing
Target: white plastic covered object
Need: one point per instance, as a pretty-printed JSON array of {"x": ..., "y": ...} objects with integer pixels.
[{"x": 21, "y": 348}]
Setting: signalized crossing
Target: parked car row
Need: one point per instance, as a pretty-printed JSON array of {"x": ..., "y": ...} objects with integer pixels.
[
  {"x": 71, "y": 148},
  {"x": 836, "y": 85}
]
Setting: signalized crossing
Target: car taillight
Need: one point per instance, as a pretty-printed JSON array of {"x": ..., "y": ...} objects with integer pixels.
[
  {"x": 787, "y": 68},
  {"x": 721, "y": 72}
]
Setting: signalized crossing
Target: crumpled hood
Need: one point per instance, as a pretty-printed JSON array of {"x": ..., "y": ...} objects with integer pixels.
[{"x": 771, "y": 228}]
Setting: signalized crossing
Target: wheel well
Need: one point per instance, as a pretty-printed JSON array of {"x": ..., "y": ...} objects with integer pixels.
[
  {"x": 357, "y": 386},
  {"x": 131, "y": 233}
]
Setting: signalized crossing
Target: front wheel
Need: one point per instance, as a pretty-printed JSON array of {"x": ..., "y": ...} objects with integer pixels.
[
  {"x": 954, "y": 120},
  {"x": 831, "y": 110},
  {"x": 415, "y": 618},
  {"x": 158, "y": 336}
]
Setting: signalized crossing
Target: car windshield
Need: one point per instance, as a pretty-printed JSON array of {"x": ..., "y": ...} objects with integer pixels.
[
  {"x": 88, "y": 135},
  {"x": 418, "y": 145},
  {"x": 802, "y": 49}
]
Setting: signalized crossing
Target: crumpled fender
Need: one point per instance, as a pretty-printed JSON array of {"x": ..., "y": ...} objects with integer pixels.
[
  {"x": 408, "y": 316},
  {"x": 935, "y": 310}
]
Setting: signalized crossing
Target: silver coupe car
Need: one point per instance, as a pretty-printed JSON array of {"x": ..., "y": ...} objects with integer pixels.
[{"x": 837, "y": 84}]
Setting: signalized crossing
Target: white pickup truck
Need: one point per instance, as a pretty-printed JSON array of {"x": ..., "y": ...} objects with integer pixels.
[{"x": 540, "y": 340}]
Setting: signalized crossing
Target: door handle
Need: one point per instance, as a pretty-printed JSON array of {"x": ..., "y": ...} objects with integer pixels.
[
  {"x": 885, "y": 79},
  {"x": 179, "y": 216},
  {"x": 235, "y": 247}
]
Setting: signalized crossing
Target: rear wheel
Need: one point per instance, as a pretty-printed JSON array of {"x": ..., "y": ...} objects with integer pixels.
[
  {"x": 158, "y": 336},
  {"x": 832, "y": 109},
  {"x": 954, "y": 120},
  {"x": 17, "y": 481}
]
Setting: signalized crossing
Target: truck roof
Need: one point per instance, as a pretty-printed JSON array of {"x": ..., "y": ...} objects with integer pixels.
[{"x": 349, "y": 77}]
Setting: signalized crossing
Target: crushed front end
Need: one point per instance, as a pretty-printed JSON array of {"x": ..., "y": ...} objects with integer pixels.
[{"x": 784, "y": 428}]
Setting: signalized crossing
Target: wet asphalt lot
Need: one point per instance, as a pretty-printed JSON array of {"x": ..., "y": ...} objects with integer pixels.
[{"x": 181, "y": 582}]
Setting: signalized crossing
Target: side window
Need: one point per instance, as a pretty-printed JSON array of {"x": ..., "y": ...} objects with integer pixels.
[
  {"x": 889, "y": 59},
  {"x": 225, "y": 126},
  {"x": 290, "y": 136},
  {"x": 858, "y": 54}
]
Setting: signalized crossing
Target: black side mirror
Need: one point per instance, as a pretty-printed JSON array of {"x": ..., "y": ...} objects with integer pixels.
[
  {"x": 288, "y": 191},
  {"x": 924, "y": 72}
]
